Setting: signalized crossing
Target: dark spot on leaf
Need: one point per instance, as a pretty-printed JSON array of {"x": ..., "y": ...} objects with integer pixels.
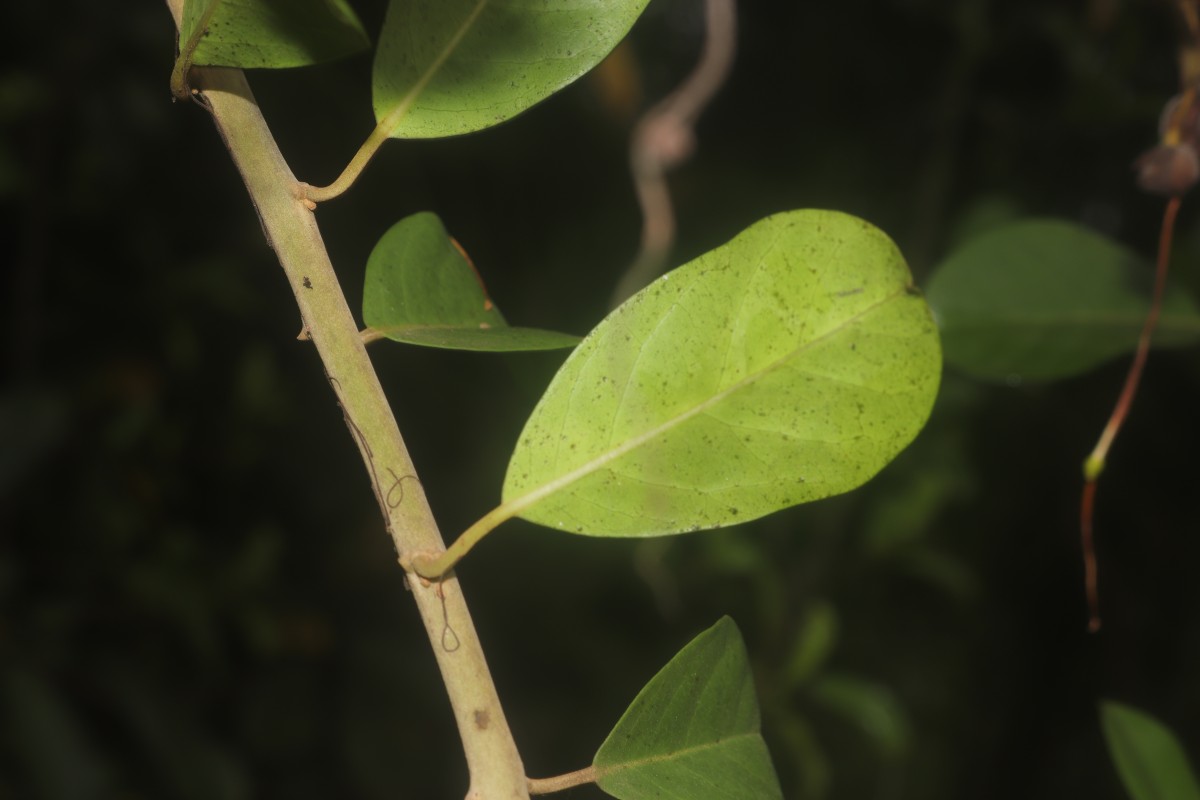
[{"x": 482, "y": 719}]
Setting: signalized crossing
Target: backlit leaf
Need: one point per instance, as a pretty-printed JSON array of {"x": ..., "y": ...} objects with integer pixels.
[
  {"x": 421, "y": 290},
  {"x": 271, "y": 33},
  {"x": 788, "y": 365},
  {"x": 1148, "y": 757},
  {"x": 693, "y": 732},
  {"x": 446, "y": 67},
  {"x": 1043, "y": 299}
]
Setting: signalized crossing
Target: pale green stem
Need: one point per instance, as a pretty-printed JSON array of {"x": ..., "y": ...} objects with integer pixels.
[
  {"x": 496, "y": 771},
  {"x": 435, "y": 568},
  {"x": 183, "y": 63},
  {"x": 560, "y": 782},
  {"x": 319, "y": 194},
  {"x": 387, "y": 125}
]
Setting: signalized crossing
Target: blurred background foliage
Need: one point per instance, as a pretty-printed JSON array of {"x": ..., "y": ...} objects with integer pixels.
[{"x": 198, "y": 601}]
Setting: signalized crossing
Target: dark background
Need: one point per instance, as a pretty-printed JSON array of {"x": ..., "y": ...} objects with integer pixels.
[{"x": 198, "y": 601}]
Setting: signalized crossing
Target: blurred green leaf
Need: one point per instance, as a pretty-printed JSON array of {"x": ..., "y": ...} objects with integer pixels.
[
  {"x": 736, "y": 556},
  {"x": 1043, "y": 299},
  {"x": 787, "y": 365},
  {"x": 476, "y": 63},
  {"x": 271, "y": 33},
  {"x": 905, "y": 504},
  {"x": 982, "y": 215},
  {"x": 814, "y": 642},
  {"x": 812, "y": 765},
  {"x": 1148, "y": 757},
  {"x": 169, "y": 741},
  {"x": 693, "y": 732},
  {"x": 943, "y": 571},
  {"x": 420, "y": 289},
  {"x": 47, "y": 739},
  {"x": 870, "y": 707},
  {"x": 33, "y": 422}
]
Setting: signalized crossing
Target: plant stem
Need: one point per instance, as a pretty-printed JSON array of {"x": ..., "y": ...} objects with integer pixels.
[
  {"x": 1094, "y": 465},
  {"x": 1095, "y": 461},
  {"x": 319, "y": 194},
  {"x": 561, "y": 782},
  {"x": 495, "y": 766},
  {"x": 385, "y": 127},
  {"x": 436, "y": 567},
  {"x": 183, "y": 62}
]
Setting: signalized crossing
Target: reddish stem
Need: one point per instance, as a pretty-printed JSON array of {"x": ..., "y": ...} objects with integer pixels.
[
  {"x": 1095, "y": 461},
  {"x": 1089, "y": 555}
]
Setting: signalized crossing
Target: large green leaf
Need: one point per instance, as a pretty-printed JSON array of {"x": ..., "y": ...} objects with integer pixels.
[
  {"x": 788, "y": 365},
  {"x": 1045, "y": 299},
  {"x": 445, "y": 67},
  {"x": 270, "y": 33},
  {"x": 693, "y": 732},
  {"x": 421, "y": 290},
  {"x": 1149, "y": 759}
]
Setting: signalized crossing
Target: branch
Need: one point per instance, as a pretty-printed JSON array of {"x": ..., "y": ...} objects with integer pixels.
[
  {"x": 291, "y": 230},
  {"x": 1094, "y": 464}
]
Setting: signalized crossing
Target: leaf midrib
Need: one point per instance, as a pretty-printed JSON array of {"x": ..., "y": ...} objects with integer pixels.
[
  {"x": 602, "y": 772},
  {"x": 392, "y": 119},
  {"x": 492, "y": 328}
]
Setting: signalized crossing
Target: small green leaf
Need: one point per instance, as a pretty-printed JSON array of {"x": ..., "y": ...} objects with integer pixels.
[
  {"x": 446, "y": 67},
  {"x": 788, "y": 365},
  {"x": 1043, "y": 299},
  {"x": 693, "y": 732},
  {"x": 420, "y": 289},
  {"x": 270, "y": 33},
  {"x": 1149, "y": 759}
]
